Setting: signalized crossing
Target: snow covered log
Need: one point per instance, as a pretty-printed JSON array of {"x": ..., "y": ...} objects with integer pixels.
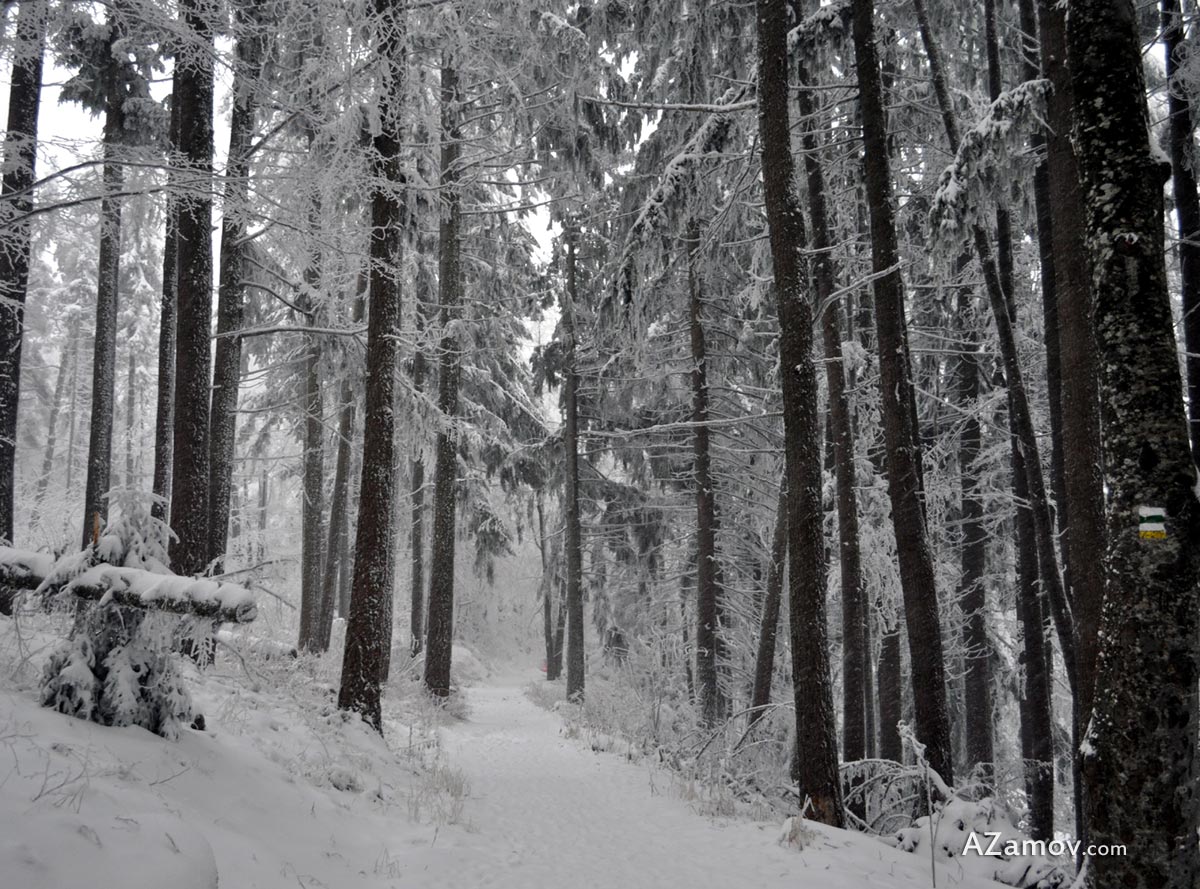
[
  {"x": 20, "y": 570},
  {"x": 133, "y": 587}
]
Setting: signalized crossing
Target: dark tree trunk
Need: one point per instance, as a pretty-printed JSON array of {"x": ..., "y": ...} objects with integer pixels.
[
  {"x": 707, "y": 620},
  {"x": 193, "y": 360},
  {"x": 369, "y": 629},
  {"x": 104, "y": 349},
  {"x": 440, "y": 635},
  {"x": 420, "y": 367},
  {"x": 1187, "y": 206},
  {"x": 980, "y": 748},
  {"x": 574, "y": 532},
  {"x": 16, "y": 201},
  {"x": 812, "y": 682},
  {"x": 164, "y": 417},
  {"x": 768, "y": 627},
  {"x": 891, "y": 695},
  {"x": 839, "y": 434},
  {"x": 312, "y": 533},
  {"x": 231, "y": 289},
  {"x": 903, "y": 446},
  {"x": 339, "y": 510},
  {"x": 130, "y": 415},
  {"x": 1140, "y": 760},
  {"x": 1036, "y": 713}
]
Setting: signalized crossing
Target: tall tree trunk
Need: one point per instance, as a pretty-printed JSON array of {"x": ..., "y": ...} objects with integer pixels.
[
  {"x": 1036, "y": 712},
  {"x": 1140, "y": 761},
  {"x": 164, "y": 416},
  {"x": 16, "y": 200},
  {"x": 440, "y": 635},
  {"x": 1187, "y": 205},
  {"x": 420, "y": 366},
  {"x": 369, "y": 629},
  {"x": 891, "y": 694},
  {"x": 574, "y": 531},
  {"x": 768, "y": 628},
  {"x": 312, "y": 532},
  {"x": 980, "y": 747},
  {"x": 193, "y": 360},
  {"x": 231, "y": 289},
  {"x": 811, "y": 677},
  {"x": 1081, "y": 508},
  {"x": 839, "y": 433},
  {"x": 130, "y": 415},
  {"x": 339, "y": 509},
  {"x": 104, "y": 349},
  {"x": 707, "y": 621},
  {"x": 903, "y": 449}
]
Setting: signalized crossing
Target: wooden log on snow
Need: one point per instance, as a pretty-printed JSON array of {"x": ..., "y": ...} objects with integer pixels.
[
  {"x": 20, "y": 571},
  {"x": 198, "y": 597}
]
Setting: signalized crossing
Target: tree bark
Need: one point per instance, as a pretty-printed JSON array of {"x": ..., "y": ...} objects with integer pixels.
[
  {"x": 312, "y": 532},
  {"x": 164, "y": 416},
  {"x": 193, "y": 361},
  {"x": 369, "y": 629},
  {"x": 231, "y": 289},
  {"x": 812, "y": 682},
  {"x": 574, "y": 532},
  {"x": 16, "y": 201},
  {"x": 903, "y": 448},
  {"x": 440, "y": 635},
  {"x": 1139, "y": 760},
  {"x": 768, "y": 627},
  {"x": 1187, "y": 206},
  {"x": 707, "y": 621},
  {"x": 104, "y": 348},
  {"x": 420, "y": 366}
]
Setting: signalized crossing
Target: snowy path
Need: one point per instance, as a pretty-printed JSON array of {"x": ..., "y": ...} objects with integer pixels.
[{"x": 545, "y": 811}]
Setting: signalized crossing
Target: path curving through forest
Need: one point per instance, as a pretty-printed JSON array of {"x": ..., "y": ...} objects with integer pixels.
[{"x": 544, "y": 810}]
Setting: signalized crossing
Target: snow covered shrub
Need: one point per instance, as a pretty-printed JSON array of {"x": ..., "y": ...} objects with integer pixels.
[
  {"x": 117, "y": 669},
  {"x": 981, "y": 837}
]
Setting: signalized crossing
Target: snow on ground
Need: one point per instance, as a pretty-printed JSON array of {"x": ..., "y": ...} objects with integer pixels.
[{"x": 281, "y": 790}]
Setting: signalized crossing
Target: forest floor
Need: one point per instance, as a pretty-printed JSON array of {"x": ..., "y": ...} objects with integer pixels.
[{"x": 283, "y": 790}]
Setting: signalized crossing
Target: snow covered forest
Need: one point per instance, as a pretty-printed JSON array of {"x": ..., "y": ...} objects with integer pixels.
[{"x": 617, "y": 443}]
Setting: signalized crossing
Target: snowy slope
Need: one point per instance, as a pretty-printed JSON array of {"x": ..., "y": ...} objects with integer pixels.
[{"x": 282, "y": 791}]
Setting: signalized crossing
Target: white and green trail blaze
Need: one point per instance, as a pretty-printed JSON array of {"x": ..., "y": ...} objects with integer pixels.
[{"x": 1152, "y": 523}]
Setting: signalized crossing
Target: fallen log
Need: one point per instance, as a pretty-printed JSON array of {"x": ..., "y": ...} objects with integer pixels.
[
  {"x": 199, "y": 597},
  {"x": 20, "y": 571}
]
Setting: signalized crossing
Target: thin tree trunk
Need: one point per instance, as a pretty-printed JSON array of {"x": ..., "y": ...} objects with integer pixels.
[
  {"x": 417, "y": 483},
  {"x": 903, "y": 449},
  {"x": 193, "y": 360},
  {"x": 130, "y": 414},
  {"x": 164, "y": 417},
  {"x": 1187, "y": 205},
  {"x": 16, "y": 201},
  {"x": 707, "y": 686},
  {"x": 768, "y": 628},
  {"x": 440, "y": 635},
  {"x": 1140, "y": 754},
  {"x": 339, "y": 510},
  {"x": 231, "y": 289},
  {"x": 312, "y": 533},
  {"x": 574, "y": 533},
  {"x": 891, "y": 694},
  {"x": 817, "y": 769},
  {"x": 104, "y": 348},
  {"x": 369, "y": 629}
]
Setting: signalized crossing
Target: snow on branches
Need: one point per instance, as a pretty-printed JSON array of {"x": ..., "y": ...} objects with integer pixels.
[{"x": 983, "y": 156}]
